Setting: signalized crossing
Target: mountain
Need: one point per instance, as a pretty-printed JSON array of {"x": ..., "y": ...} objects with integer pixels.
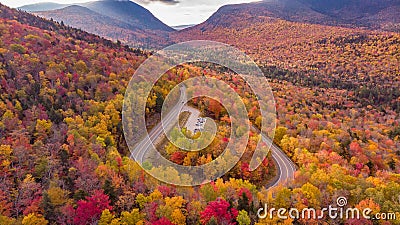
[
  {"x": 44, "y": 6},
  {"x": 124, "y": 11},
  {"x": 81, "y": 18},
  {"x": 51, "y": 26},
  {"x": 373, "y": 14},
  {"x": 350, "y": 9},
  {"x": 93, "y": 22},
  {"x": 128, "y": 12},
  {"x": 125, "y": 21},
  {"x": 277, "y": 34},
  {"x": 255, "y": 12}
]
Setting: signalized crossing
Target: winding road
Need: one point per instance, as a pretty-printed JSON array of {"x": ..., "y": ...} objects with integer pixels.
[
  {"x": 142, "y": 147},
  {"x": 285, "y": 167}
]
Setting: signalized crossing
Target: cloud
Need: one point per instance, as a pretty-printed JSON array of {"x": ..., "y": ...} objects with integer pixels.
[{"x": 168, "y": 2}]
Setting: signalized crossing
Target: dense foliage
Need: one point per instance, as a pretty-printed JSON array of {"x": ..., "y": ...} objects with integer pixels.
[
  {"x": 63, "y": 155},
  {"x": 337, "y": 94},
  {"x": 63, "y": 158},
  {"x": 361, "y": 61}
]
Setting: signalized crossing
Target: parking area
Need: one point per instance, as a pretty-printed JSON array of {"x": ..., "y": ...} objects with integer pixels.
[
  {"x": 200, "y": 124},
  {"x": 195, "y": 123}
]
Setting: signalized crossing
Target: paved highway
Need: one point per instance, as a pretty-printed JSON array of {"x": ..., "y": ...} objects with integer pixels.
[
  {"x": 285, "y": 167},
  {"x": 143, "y": 146}
]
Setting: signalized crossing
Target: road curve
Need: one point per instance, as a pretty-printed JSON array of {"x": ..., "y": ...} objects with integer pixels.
[
  {"x": 285, "y": 167},
  {"x": 143, "y": 146}
]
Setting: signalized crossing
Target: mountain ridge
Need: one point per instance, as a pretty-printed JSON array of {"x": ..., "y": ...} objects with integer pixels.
[
  {"x": 144, "y": 30},
  {"x": 129, "y": 12},
  {"x": 123, "y": 21},
  {"x": 353, "y": 13},
  {"x": 43, "y": 6},
  {"x": 125, "y": 11}
]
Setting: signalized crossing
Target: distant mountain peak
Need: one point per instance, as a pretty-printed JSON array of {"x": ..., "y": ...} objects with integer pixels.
[
  {"x": 349, "y": 13},
  {"x": 121, "y": 20},
  {"x": 43, "y": 6},
  {"x": 124, "y": 10}
]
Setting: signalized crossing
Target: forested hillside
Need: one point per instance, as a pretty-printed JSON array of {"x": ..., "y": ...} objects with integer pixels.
[
  {"x": 369, "y": 14},
  {"x": 62, "y": 151},
  {"x": 337, "y": 93},
  {"x": 123, "y": 21},
  {"x": 357, "y": 60},
  {"x": 113, "y": 29},
  {"x": 63, "y": 157}
]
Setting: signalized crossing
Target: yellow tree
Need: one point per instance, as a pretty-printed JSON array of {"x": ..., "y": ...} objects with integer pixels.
[
  {"x": 106, "y": 217},
  {"x": 58, "y": 196},
  {"x": 133, "y": 217},
  {"x": 42, "y": 129},
  {"x": 33, "y": 219},
  {"x": 174, "y": 210},
  {"x": 289, "y": 144},
  {"x": 243, "y": 218}
]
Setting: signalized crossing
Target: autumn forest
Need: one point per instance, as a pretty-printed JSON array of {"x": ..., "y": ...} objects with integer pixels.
[{"x": 64, "y": 158}]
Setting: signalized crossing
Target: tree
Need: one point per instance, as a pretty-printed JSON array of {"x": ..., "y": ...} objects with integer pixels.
[
  {"x": 244, "y": 200},
  {"x": 208, "y": 193},
  {"x": 282, "y": 198},
  {"x": 162, "y": 221},
  {"x": 48, "y": 208},
  {"x": 5, "y": 205},
  {"x": 221, "y": 210},
  {"x": 42, "y": 128},
  {"x": 173, "y": 210},
  {"x": 159, "y": 102},
  {"x": 280, "y": 132},
  {"x": 243, "y": 218},
  {"x": 106, "y": 218},
  {"x": 133, "y": 217},
  {"x": 58, "y": 196},
  {"x": 178, "y": 157},
  {"x": 6, "y": 220},
  {"x": 33, "y": 219},
  {"x": 109, "y": 190},
  {"x": 289, "y": 144},
  {"x": 28, "y": 196},
  {"x": 178, "y": 218},
  {"x": 310, "y": 194},
  {"x": 90, "y": 210}
]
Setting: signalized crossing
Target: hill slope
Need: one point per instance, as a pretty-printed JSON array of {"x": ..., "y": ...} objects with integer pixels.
[
  {"x": 353, "y": 13},
  {"x": 93, "y": 22},
  {"x": 125, "y": 21},
  {"x": 61, "y": 131},
  {"x": 327, "y": 56},
  {"x": 125, "y": 11},
  {"x": 128, "y": 12}
]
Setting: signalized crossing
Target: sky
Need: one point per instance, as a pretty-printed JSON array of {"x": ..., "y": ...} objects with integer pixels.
[{"x": 171, "y": 12}]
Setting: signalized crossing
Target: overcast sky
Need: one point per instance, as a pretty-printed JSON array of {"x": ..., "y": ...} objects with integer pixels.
[{"x": 171, "y": 12}]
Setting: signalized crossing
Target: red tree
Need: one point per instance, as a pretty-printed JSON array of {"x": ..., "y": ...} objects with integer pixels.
[
  {"x": 178, "y": 157},
  {"x": 90, "y": 210},
  {"x": 221, "y": 211},
  {"x": 162, "y": 221}
]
